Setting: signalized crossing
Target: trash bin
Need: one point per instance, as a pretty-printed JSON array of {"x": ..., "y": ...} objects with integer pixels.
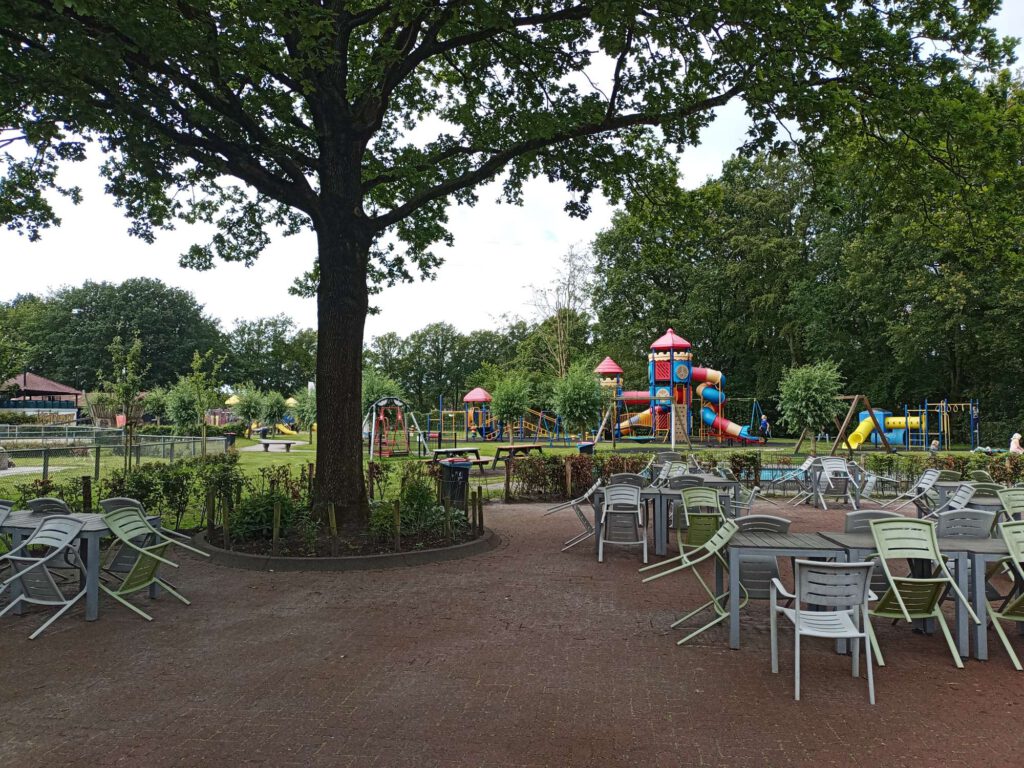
[
  {"x": 229, "y": 437},
  {"x": 585, "y": 447},
  {"x": 263, "y": 432},
  {"x": 455, "y": 483}
]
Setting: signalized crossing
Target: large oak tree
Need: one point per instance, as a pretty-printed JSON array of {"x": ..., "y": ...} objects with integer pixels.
[{"x": 365, "y": 119}]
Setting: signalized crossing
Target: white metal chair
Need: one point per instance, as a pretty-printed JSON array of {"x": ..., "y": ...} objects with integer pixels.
[
  {"x": 623, "y": 519},
  {"x": 56, "y": 534},
  {"x": 841, "y": 586},
  {"x": 921, "y": 489},
  {"x": 576, "y": 505}
]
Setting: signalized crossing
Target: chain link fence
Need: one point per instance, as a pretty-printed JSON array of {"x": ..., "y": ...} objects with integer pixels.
[{"x": 55, "y": 454}]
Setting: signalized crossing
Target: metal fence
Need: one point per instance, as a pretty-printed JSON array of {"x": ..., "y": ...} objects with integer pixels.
[
  {"x": 67, "y": 434},
  {"x": 56, "y": 458}
]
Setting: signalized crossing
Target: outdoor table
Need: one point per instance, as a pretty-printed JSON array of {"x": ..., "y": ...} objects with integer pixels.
[
  {"x": 958, "y": 549},
  {"x": 505, "y": 452},
  {"x": 451, "y": 452},
  {"x": 981, "y": 552},
  {"x": 802, "y": 545},
  {"x": 21, "y": 523}
]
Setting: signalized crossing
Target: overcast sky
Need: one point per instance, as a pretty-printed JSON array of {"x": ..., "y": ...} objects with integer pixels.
[{"x": 499, "y": 250}]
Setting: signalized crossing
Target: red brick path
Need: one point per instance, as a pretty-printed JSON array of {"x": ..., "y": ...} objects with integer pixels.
[{"x": 519, "y": 657}]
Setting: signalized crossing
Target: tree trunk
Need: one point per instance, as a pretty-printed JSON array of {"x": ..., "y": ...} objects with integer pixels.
[{"x": 342, "y": 302}]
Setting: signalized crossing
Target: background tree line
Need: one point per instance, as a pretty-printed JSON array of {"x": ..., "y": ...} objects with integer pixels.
[{"x": 66, "y": 336}]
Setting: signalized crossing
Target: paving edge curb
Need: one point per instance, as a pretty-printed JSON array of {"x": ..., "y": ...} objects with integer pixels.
[{"x": 245, "y": 561}]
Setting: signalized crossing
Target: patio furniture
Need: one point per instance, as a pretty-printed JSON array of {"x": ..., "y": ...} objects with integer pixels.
[
  {"x": 802, "y": 545},
  {"x": 1011, "y": 605},
  {"x": 980, "y": 476},
  {"x": 921, "y": 488},
  {"x": 959, "y": 499},
  {"x": 842, "y": 586},
  {"x": 913, "y": 597},
  {"x": 872, "y": 481},
  {"x": 834, "y": 480},
  {"x": 622, "y": 519},
  {"x": 688, "y": 560},
  {"x": 31, "y": 577},
  {"x": 627, "y": 478},
  {"x": 743, "y": 503},
  {"x": 757, "y": 571},
  {"x": 950, "y": 476},
  {"x": 965, "y": 522},
  {"x": 859, "y": 521},
  {"x": 129, "y": 525},
  {"x": 574, "y": 504},
  {"x": 48, "y": 506},
  {"x": 1012, "y": 500},
  {"x": 662, "y": 457},
  {"x": 7, "y": 504},
  {"x": 702, "y": 516},
  {"x": 800, "y": 476}
]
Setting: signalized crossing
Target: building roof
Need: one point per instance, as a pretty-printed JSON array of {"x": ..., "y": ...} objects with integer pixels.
[
  {"x": 608, "y": 367},
  {"x": 478, "y": 395},
  {"x": 33, "y": 385},
  {"x": 670, "y": 341}
]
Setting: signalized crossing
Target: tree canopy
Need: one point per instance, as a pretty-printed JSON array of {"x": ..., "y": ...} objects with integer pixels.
[{"x": 365, "y": 120}]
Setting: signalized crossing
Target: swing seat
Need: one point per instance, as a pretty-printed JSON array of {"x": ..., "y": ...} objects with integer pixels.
[{"x": 640, "y": 439}]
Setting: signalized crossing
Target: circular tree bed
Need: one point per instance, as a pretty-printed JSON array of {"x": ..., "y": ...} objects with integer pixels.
[{"x": 353, "y": 555}]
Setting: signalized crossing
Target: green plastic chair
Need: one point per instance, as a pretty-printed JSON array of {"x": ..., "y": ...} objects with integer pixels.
[
  {"x": 688, "y": 560},
  {"x": 980, "y": 476},
  {"x": 702, "y": 517},
  {"x": 913, "y": 598},
  {"x": 949, "y": 475},
  {"x": 1012, "y": 500},
  {"x": 1012, "y": 604},
  {"x": 129, "y": 526}
]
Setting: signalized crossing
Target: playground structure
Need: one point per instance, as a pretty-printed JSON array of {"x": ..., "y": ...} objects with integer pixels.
[
  {"x": 476, "y": 422},
  {"x": 913, "y": 429},
  {"x": 389, "y": 426},
  {"x": 670, "y": 399}
]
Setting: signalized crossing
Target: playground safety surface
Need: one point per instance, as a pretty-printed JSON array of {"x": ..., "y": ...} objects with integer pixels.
[{"x": 523, "y": 656}]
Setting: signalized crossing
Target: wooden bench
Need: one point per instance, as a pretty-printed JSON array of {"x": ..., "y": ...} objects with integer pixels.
[{"x": 286, "y": 443}]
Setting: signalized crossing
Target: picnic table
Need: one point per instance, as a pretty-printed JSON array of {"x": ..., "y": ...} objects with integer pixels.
[
  {"x": 21, "y": 523},
  {"x": 506, "y": 452},
  {"x": 460, "y": 453},
  {"x": 286, "y": 443}
]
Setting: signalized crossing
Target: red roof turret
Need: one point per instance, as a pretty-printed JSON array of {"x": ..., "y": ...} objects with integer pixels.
[
  {"x": 670, "y": 341},
  {"x": 608, "y": 367},
  {"x": 478, "y": 395}
]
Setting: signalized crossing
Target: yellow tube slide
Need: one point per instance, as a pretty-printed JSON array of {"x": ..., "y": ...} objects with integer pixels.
[
  {"x": 902, "y": 422},
  {"x": 640, "y": 420},
  {"x": 860, "y": 434}
]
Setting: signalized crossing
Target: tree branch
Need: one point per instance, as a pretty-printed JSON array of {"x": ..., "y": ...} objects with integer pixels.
[{"x": 499, "y": 160}]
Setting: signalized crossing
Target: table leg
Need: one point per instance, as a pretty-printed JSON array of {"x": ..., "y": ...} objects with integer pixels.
[
  {"x": 92, "y": 577},
  {"x": 660, "y": 526},
  {"x": 734, "y": 598},
  {"x": 962, "y": 632},
  {"x": 978, "y": 603},
  {"x": 17, "y": 537}
]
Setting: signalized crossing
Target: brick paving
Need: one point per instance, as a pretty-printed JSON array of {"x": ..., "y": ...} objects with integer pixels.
[{"x": 523, "y": 656}]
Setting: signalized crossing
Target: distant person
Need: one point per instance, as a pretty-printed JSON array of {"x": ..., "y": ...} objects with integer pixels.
[
  {"x": 1015, "y": 443},
  {"x": 765, "y": 428},
  {"x": 934, "y": 447}
]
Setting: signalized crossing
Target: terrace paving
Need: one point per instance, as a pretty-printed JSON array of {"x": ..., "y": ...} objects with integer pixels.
[{"x": 523, "y": 656}]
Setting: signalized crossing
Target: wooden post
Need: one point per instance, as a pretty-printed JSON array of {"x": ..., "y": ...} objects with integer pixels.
[
  {"x": 480, "y": 515},
  {"x": 277, "y": 528},
  {"x": 311, "y": 473},
  {"x": 398, "y": 525},
  {"x": 46, "y": 463},
  {"x": 568, "y": 477},
  {"x": 225, "y": 517},
  {"x": 332, "y": 521},
  {"x": 209, "y": 511},
  {"x": 508, "y": 479},
  {"x": 472, "y": 518},
  {"x": 96, "y": 467},
  {"x": 86, "y": 493}
]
